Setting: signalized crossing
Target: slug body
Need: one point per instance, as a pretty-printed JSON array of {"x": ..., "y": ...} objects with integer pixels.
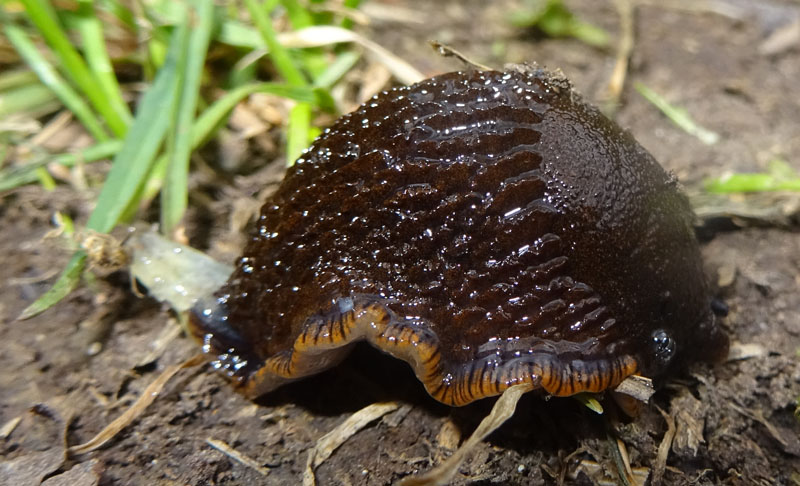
[{"x": 489, "y": 228}]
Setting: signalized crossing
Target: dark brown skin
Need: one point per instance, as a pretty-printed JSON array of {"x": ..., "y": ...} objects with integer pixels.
[{"x": 490, "y": 228}]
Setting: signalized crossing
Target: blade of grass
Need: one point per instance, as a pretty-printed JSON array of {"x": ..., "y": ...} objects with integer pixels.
[
  {"x": 65, "y": 284},
  {"x": 134, "y": 160},
  {"x": 96, "y": 55},
  {"x": 121, "y": 12},
  {"x": 215, "y": 115},
  {"x": 780, "y": 176},
  {"x": 321, "y": 35},
  {"x": 45, "y": 179},
  {"x": 279, "y": 55},
  {"x": 25, "y": 99},
  {"x": 556, "y": 20},
  {"x": 238, "y": 34},
  {"x": 347, "y": 23},
  {"x": 678, "y": 115},
  {"x": 314, "y": 61},
  {"x": 757, "y": 182},
  {"x": 174, "y": 197},
  {"x": 52, "y": 80},
  {"x": 298, "y": 16},
  {"x": 18, "y": 176},
  {"x": 130, "y": 167},
  {"x": 299, "y": 128},
  {"x": 338, "y": 68},
  {"x": 43, "y": 17},
  {"x": 300, "y": 116},
  {"x": 589, "y": 401},
  {"x": 17, "y": 78}
]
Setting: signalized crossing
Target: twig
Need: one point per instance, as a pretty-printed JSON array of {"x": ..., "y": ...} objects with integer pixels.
[{"x": 446, "y": 51}]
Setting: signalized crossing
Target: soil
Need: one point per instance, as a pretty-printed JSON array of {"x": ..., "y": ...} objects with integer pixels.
[{"x": 734, "y": 422}]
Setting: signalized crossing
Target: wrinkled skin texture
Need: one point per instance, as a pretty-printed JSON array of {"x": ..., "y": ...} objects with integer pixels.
[{"x": 494, "y": 214}]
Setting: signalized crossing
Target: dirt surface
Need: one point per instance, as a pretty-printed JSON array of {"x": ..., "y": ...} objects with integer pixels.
[{"x": 734, "y": 422}]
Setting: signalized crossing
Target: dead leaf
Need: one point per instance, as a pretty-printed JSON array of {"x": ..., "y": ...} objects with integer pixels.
[
  {"x": 38, "y": 447},
  {"x": 83, "y": 474}
]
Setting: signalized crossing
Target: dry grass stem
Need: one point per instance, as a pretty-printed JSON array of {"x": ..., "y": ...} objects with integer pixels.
[
  {"x": 336, "y": 437},
  {"x": 617, "y": 81},
  {"x": 663, "y": 448},
  {"x": 134, "y": 411},
  {"x": 443, "y": 473},
  {"x": 237, "y": 456}
]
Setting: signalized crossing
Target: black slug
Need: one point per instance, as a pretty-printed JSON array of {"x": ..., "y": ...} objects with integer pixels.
[{"x": 489, "y": 228}]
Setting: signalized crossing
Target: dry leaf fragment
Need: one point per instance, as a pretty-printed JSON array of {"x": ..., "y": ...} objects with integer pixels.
[{"x": 38, "y": 446}]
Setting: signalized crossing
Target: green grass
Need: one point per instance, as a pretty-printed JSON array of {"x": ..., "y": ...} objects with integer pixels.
[
  {"x": 66, "y": 65},
  {"x": 554, "y": 19},
  {"x": 678, "y": 115},
  {"x": 780, "y": 176}
]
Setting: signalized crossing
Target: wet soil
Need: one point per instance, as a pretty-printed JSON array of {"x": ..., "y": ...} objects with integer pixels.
[{"x": 734, "y": 422}]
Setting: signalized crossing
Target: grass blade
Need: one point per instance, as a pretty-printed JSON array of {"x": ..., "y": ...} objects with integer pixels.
[
  {"x": 43, "y": 17},
  {"x": 279, "y": 55},
  {"x": 238, "y": 34},
  {"x": 120, "y": 11},
  {"x": 130, "y": 167},
  {"x": 214, "y": 114},
  {"x": 96, "y": 55},
  {"x": 18, "y": 176},
  {"x": 298, "y": 15},
  {"x": 780, "y": 176},
  {"x": 338, "y": 68},
  {"x": 135, "y": 158},
  {"x": 323, "y": 35},
  {"x": 17, "y": 78},
  {"x": 52, "y": 80},
  {"x": 25, "y": 99},
  {"x": 351, "y": 4},
  {"x": 678, "y": 115},
  {"x": 556, "y": 20},
  {"x": 65, "y": 284},
  {"x": 45, "y": 179},
  {"x": 174, "y": 197},
  {"x": 299, "y": 129}
]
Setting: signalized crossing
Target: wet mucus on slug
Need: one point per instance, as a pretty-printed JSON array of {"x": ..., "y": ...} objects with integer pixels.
[{"x": 490, "y": 228}]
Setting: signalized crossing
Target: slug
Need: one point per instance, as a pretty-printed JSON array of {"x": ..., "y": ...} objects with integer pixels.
[{"x": 489, "y": 228}]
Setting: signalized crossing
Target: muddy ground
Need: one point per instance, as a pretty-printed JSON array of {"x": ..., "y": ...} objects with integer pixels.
[{"x": 734, "y": 422}]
